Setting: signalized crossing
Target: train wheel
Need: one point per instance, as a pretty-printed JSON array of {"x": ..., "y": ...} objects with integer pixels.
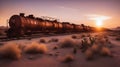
[
  {"x": 22, "y": 32},
  {"x": 9, "y": 33}
]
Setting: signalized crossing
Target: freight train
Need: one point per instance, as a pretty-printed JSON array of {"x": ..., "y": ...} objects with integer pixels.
[{"x": 20, "y": 25}]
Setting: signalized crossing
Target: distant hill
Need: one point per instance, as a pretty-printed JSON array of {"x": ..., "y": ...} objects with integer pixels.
[{"x": 116, "y": 29}]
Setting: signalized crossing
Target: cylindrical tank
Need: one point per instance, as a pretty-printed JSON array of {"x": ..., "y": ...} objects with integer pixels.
[{"x": 20, "y": 24}]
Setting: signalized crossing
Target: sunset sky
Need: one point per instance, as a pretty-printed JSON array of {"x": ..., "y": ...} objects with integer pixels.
[{"x": 73, "y": 11}]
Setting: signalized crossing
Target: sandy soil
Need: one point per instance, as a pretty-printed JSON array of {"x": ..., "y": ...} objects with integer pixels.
[{"x": 53, "y": 57}]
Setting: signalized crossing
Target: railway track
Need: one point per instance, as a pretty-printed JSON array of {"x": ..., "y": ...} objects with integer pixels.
[{"x": 5, "y": 38}]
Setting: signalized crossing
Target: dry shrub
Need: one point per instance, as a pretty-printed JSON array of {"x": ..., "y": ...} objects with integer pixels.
[
  {"x": 35, "y": 48},
  {"x": 118, "y": 38},
  {"x": 89, "y": 54},
  {"x": 66, "y": 43},
  {"x": 105, "y": 51},
  {"x": 101, "y": 41},
  {"x": 108, "y": 41},
  {"x": 21, "y": 46},
  {"x": 10, "y": 51},
  {"x": 74, "y": 50},
  {"x": 89, "y": 43},
  {"x": 92, "y": 40},
  {"x": 42, "y": 41},
  {"x": 74, "y": 36},
  {"x": 53, "y": 40},
  {"x": 95, "y": 48},
  {"x": 68, "y": 58},
  {"x": 88, "y": 35},
  {"x": 85, "y": 44},
  {"x": 83, "y": 36},
  {"x": 55, "y": 47}
]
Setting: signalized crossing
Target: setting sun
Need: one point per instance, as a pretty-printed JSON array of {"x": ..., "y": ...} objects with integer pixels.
[
  {"x": 99, "y": 23},
  {"x": 99, "y": 20}
]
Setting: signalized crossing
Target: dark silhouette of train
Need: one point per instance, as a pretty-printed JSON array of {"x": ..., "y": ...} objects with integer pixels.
[{"x": 20, "y": 25}]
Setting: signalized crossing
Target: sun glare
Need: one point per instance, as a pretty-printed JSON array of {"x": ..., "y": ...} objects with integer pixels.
[
  {"x": 99, "y": 20},
  {"x": 99, "y": 23}
]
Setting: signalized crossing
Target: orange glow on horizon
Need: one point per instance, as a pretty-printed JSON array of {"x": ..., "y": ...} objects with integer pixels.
[
  {"x": 99, "y": 23},
  {"x": 99, "y": 19}
]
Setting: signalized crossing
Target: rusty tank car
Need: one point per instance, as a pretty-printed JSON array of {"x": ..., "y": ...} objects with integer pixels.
[{"x": 20, "y": 25}]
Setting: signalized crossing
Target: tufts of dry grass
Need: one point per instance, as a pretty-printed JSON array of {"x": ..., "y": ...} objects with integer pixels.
[
  {"x": 85, "y": 44},
  {"x": 95, "y": 48},
  {"x": 118, "y": 38},
  {"x": 92, "y": 40},
  {"x": 10, "y": 51},
  {"x": 35, "y": 48},
  {"x": 53, "y": 40},
  {"x": 42, "y": 41},
  {"x": 88, "y": 35},
  {"x": 89, "y": 54},
  {"x": 68, "y": 58},
  {"x": 74, "y": 50},
  {"x": 105, "y": 51},
  {"x": 74, "y": 37},
  {"x": 55, "y": 47},
  {"x": 83, "y": 35},
  {"x": 66, "y": 43}
]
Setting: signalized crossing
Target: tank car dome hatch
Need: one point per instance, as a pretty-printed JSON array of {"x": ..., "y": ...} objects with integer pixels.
[
  {"x": 73, "y": 24},
  {"x": 55, "y": 21},
  {"x": 40, "y": 19},
  {"x": 22, "y": 14},
  {"x": 66, "y": 22},
  {"x": 31, "y": 16}
]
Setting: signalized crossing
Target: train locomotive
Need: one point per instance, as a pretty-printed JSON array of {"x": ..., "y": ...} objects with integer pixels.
[{"x": 20, "y": 25}]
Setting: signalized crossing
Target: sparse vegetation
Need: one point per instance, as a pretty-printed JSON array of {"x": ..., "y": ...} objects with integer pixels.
[
  {"x": 82, "y": 35},
  {"x": 42, "y": 41},
  {"x": 85, "y": 45},
  {"x": 105, "y": 51},
  {"x": 118, "y": 38},
  {"x": 74, "y": 50},
  {"x": 88, "y": 35},
  {"x": 95, "y": 48},
  {"x": 68, "y": 58},
  {"x": 92, "y": 40},
  {"x": 10, "y": 51},
  {"x": 53, "y": 40},
  {"x": 74, "y": 36},
  {"x": 68, "y": 43},
  {"x": 35, "y": 48},
  {"x": 55, "y": 47},
  {"x": 89, "y": 54}
]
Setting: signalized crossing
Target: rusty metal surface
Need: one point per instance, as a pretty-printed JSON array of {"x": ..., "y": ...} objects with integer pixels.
[{"x": 23, "y": 24}]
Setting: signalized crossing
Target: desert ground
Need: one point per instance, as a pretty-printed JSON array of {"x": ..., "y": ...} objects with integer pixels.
[{"x": 99, "y": 49}]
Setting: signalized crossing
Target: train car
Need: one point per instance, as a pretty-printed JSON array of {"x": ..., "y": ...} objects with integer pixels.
[
  {"x": 25, "y": 25},
  {"x": 67, "y": 27},
  {"x": 77, "y": 28},
  {"x": 58, "y": 27},
  {"x": 21, "y": 25}
]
